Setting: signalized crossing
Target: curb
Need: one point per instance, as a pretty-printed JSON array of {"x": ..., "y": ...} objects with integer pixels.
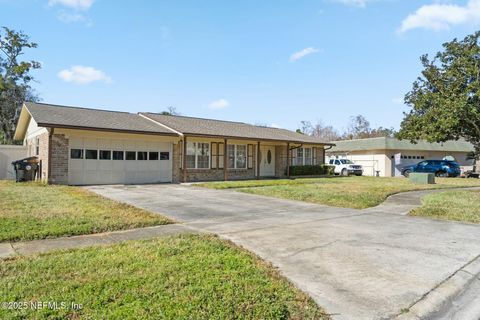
[{"x": 433, "y": 301}]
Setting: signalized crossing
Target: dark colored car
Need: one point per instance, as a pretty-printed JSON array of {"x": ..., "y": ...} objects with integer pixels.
[{"x": 441, "y": 168}]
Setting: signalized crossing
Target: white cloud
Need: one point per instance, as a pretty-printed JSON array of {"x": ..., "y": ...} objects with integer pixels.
[
  {"x": 274, "y": 125},
  {"x": 442, "y": 16},
  {"x": 302, "y": 53},
  {"x": 74, "y": 4},
  {"x": 83, "y": 75},
  {"x": 219, "y": 104}
]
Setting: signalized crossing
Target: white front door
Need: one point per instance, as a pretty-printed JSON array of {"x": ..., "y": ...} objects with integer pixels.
[{"x": 267, "y": 161}]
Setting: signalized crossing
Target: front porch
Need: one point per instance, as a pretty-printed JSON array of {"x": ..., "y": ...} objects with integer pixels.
[{"x": 233, "y": 159}]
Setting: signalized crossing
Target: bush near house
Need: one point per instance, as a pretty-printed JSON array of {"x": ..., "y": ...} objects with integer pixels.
[{"x": 316, "y": 170}]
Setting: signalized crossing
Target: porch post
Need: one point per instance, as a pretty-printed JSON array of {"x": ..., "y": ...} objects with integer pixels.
[
  {"x": 225, "y": 160},
  {"x": 258, "y": 160},
  {"x": 288, "y": 159},
  {"x": 184, "y": 159}
]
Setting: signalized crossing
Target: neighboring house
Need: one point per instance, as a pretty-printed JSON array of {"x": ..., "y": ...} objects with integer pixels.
[
  {"x": 8, "y": 154},
  {"x": 82, "y": 146},
  {"x": 389, "y": 155}
]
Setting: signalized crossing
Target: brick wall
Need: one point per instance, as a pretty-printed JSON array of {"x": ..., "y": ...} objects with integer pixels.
[
  {"x": 280, "y": 161},
  {"x": 59, "y": 166},
  {"x": 176, "y": 163},
  {"x": 194, "y": 175},
  {"x": 320, "y": 156}
]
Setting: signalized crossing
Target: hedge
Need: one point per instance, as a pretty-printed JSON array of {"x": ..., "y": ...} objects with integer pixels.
[{"x": 318, "y": 170}]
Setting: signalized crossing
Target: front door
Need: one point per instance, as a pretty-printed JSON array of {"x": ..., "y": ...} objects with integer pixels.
[{"x": 267, "y": 161}]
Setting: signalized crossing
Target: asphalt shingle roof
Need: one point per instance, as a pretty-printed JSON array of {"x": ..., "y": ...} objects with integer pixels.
[
  {"x": 386, "y": 143},
  {"x": 61, "y": 116},
  {"x": 220, "y": 128},
  {"x": 48, "y": 115}
]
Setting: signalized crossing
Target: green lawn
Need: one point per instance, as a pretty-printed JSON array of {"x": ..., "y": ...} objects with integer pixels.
[
  {"x": 36, "y": 211},
  {"x": 458, "y": 205},
  {"x": 180, "y": 277},
  {"x": 348, "y": 192}
]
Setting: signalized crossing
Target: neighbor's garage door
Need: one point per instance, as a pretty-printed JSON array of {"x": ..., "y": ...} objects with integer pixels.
[{"x": 111, "y": 161}]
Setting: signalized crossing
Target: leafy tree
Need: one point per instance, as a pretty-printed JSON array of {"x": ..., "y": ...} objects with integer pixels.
[
  {"x": 171, "y": 111},
  {"x": 14, "y": 79},
  {"x": 445, "y": 99}
]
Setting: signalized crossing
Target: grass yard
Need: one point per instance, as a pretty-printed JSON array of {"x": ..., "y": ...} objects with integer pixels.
[
  {"x": 180, "y": 277},
  {"x": 348, "y": 192},
  {"x": 35, "y": 211},
  {"x": 458, "y": 205}
]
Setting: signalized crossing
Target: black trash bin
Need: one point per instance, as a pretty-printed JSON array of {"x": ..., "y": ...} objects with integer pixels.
[{"x": 26, "y": 169}]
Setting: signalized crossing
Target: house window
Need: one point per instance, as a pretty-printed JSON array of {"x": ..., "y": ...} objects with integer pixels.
[
  {"x": 91, "y": 154},
  {"x": 303, "y": 157},
  {"x": 308, "y": 157},
  {"x": 141, "y": 155},
  {"x": 117, "y": 155},
  {"x": 198, "y": 155},
  {"x": 250, "y": 156},
  {"x": 214, "y": 155},
  {"x": 37, "y": 146},
  {"x": 237, "y": 156},
  {"x": 164, "y": 155},
  {"x": 76, "y": 154},
  {"x": 130, "y": 155},
  {"x": 105, "y": 155},
  {"x": 153, "y": 156}
]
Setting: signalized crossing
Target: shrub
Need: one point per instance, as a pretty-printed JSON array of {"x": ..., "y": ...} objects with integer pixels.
[{"x": 317, "y": 170}]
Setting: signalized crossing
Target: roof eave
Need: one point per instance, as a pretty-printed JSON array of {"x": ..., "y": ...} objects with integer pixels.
[
  {"x": 53, "y": 125},
  {"x": 191, "y": 134}
]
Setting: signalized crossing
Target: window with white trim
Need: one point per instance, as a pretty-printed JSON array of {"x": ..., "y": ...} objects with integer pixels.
[
  {"x": 198, "y": 155},
  {"x": 302, "y": 157},
  {"x": 237, "y": 156},
  {"x": 37, "y": 146}
]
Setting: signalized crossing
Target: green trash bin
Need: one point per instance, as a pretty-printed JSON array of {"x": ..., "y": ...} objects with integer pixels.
[{"x": 422, "y": 178}]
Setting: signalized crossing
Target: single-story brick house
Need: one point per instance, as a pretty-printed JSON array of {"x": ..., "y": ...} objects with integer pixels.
[
  {"x": 81, "y": 146},
  {"x": 389, "y": 155}
]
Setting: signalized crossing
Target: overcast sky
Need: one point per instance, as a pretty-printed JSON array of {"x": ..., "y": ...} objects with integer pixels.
[{"x": 274, "y": 62}]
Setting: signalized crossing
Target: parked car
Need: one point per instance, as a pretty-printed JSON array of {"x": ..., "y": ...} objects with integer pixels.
[
  {"x": 441, "y": 168},
  {"x": 346, "y": 167}
]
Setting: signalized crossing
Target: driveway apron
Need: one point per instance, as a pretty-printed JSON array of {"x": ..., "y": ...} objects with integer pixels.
[{"x": 369, "y": 264}]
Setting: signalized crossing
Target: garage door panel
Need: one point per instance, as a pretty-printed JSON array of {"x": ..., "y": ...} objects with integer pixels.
[{"x": 83, "y": 171}]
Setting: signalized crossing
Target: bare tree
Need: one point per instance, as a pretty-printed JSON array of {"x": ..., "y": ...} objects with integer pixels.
[
  {"x": 171, "y": 111},
  {"x": 325, "y": 133}
]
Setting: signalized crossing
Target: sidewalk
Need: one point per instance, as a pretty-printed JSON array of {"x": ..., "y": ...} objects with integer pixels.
[{"x": 10, "y": 249}]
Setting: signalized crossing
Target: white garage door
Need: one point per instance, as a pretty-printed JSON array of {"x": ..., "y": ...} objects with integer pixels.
[
  {"x": 112, "y": 161},
  {"x": 406, "y": 160}
]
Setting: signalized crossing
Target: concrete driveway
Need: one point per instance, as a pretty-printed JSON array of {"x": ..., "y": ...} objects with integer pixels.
[{"x": 370, "y": 264}]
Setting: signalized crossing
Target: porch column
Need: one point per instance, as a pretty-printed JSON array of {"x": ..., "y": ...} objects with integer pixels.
[
  {"x": 258, "y": 160},
  {"x": 288, "y": 159},
  {"x": 225, "y": 160},
  {"x": 184, "y": 159}
]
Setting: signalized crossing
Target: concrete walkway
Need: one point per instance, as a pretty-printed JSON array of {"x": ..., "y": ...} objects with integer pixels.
[
  {"x": 8, "y": 250},
  {"x": 404, "y": 202},
  {"x": 357, "y": 264}
]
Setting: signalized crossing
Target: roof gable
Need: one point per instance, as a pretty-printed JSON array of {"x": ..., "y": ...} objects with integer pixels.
[{"x": 47, "y": 115}]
